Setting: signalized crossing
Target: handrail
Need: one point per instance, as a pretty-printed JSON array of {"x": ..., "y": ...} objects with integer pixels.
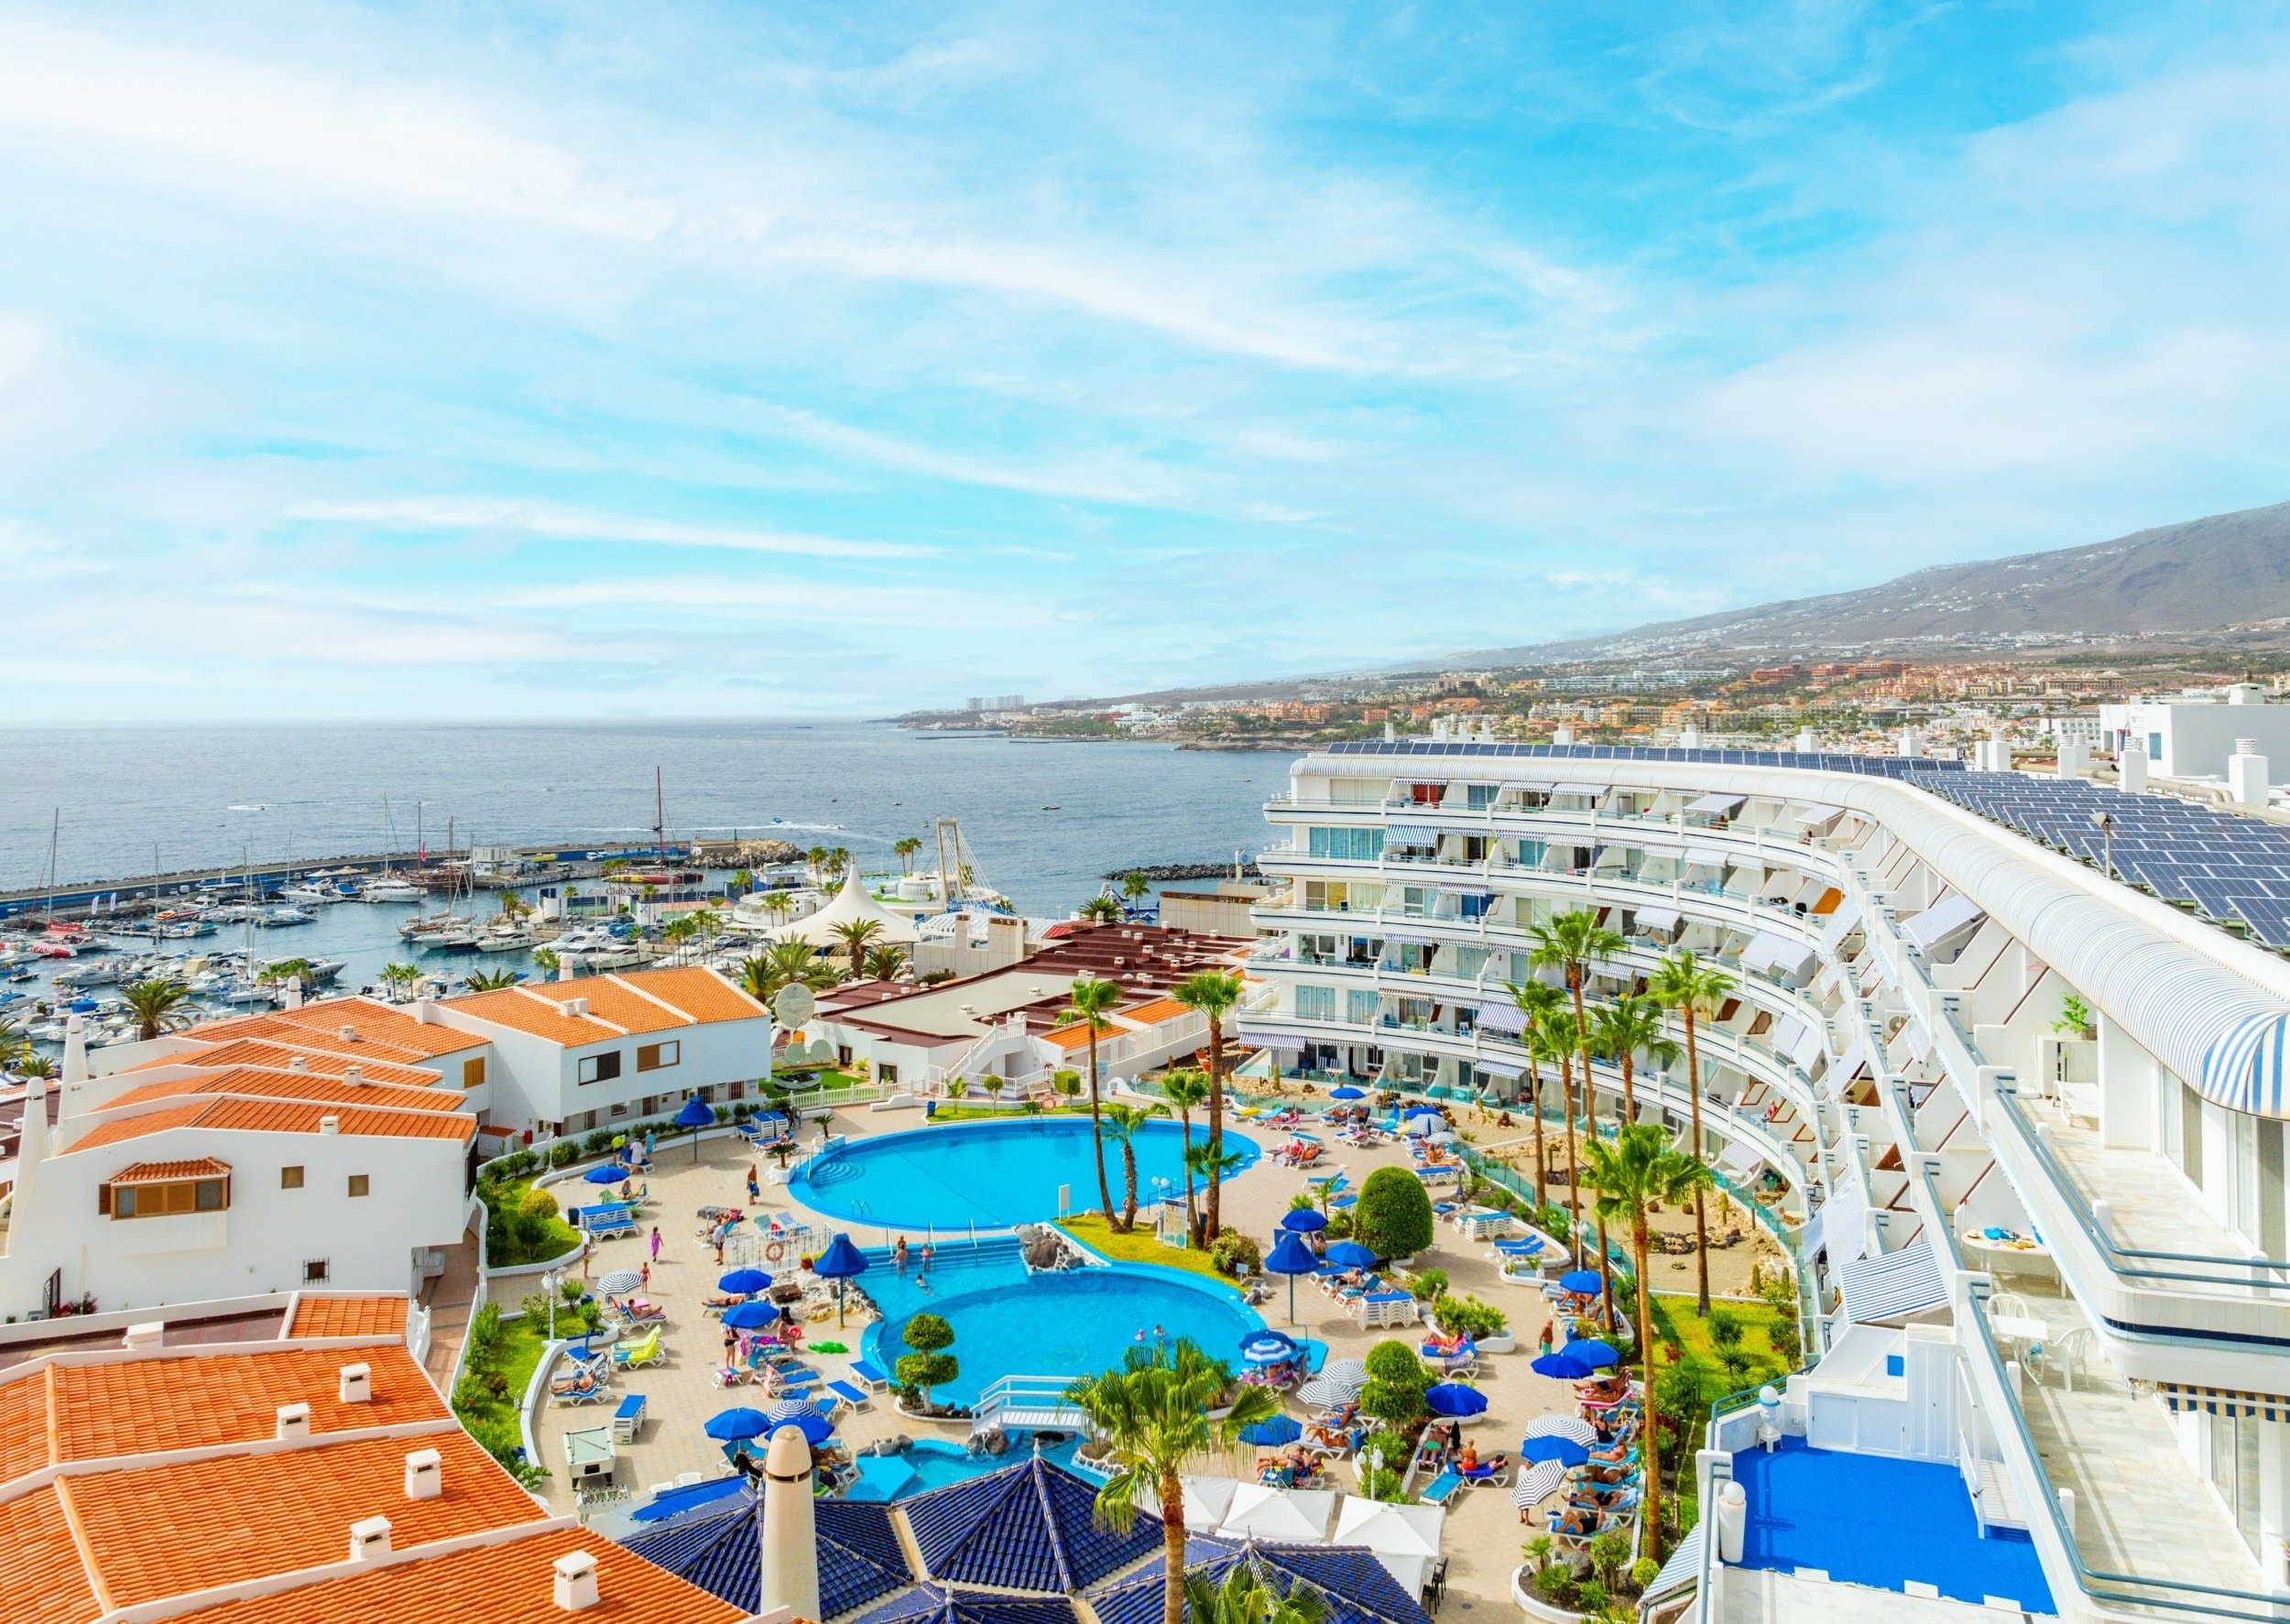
[
  {"x": 2087, "y": 1577},
  {"x": 2008, "y": 1101}
]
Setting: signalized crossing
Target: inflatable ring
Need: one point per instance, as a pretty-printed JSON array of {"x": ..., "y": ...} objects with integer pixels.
[{"x": 775, "y": 1252}]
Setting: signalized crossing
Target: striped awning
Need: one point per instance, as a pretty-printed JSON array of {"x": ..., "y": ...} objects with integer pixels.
[
  {"x": 1657, "y": 919},
  {"x": 1893, "y": 1285},
  {"x": 1684, "y": 1568},
  {"x": 1817, "y": 815},
  {"x": 2245, "y": 1069},
  {"x": 1502, "y": 1016},
  {"x": 1498, "y": 1068},
  {"x": 1257, "y": 1038},
  {"x": 1411, "y": 834},
  {"x": 1942, "y": 920},
  {"x": 1716, "y": 805},
  {"x": 2218, "y": 1400},
  {"x": 1529, "y": 786},
  {"x": 1840, "y": 926},
  {"x": 1705, "y": 856}
]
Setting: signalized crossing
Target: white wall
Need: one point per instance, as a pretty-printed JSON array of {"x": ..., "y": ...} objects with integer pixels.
[
  {"x": 2198, "y": 739},
  {"x": 533, "y": 1080}
]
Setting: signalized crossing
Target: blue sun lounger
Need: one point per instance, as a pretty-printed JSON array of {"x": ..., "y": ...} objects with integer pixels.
[
  {"x": 1442, "y": 1488},
  {"x": 868, "y": 1375}
]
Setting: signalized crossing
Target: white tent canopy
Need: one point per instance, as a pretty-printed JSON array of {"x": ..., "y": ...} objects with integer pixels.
[
  {"x": 851, "y": 902},
  {"x": 1260, "y": 1511}
]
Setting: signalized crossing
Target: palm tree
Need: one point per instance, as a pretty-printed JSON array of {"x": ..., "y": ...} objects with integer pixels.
[
  {"x": 1623, "y": 1029},
  {"x": 783, "y": 964},
  {"x": 1216, "y": 994},
  {"x": 856, "y": 935},
  {"x": 1093, "y": 1001},
  {"x": 1553, "y": 1043},
  {"x": 1694, "y": 989},
  {"x": 1184, "y": 1088},
  {"x": 1537, "y": 1001},
  {"x": 1569, "y": 942},
  {"x": 397, "y": 977},
  {"x": 546, "y": 957},
  {"x": 512, "y": 905},
  {"x": 815, "y": 860},
  {"x": 154, "y": 1005},
  {"x": 884, "y": 963},
  {"x": 489, "y": 980},
  {"x": 1152, "y": 1416},
  {"x": 1243, "y": 1598},
  {"x": 905, "y": 847},
  {"x": 677, "y": 932},
  {"x": 1134, "y": 885},
  {"x": 35, "y": 1065},
  {"x": 1100, "y": 910},
  {"x": 775, "y": 903},
  {"x": 839, "y": 861},
  {"x": 1122, "y": 1121},
  {"x": 1638, "y": 1171}
]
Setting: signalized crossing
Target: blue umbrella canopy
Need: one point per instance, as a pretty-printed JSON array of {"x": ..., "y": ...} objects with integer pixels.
[
  {"x": 1347, "y": 1092},
  {"x": 1599, "y": 1353},
  {"x": 728, "y": 1426},
  {"x": 1452, "y": 1397},
  {"x": 1582, "y": 1282},
  {"x": 1432, "y": 1112},
  {"x": 840, "y": 1259},
  {"x": 1565, "y": 1451},
  {"x": 1575, "y": 1360},
  {"x": 697, "y": 1113},
  {"x": 745, "y": 1282},
  {"x": 1273, "y": 1430},
  {"x": 609, "y": 1173},
  {"x": 1305, "y": 1220},
  {"x": 749, "y": 1317},
  {"x": 1289, "y": 1255},
  {"x": 816, "y": 1428},
  {"x": 1350, "y": 1254},
  {"x": 1267, "y": 1346}
]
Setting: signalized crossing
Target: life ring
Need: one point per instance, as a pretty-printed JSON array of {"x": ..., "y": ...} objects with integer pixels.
[
  {"x": 820, "y": 1311},
  {"x": 774, "y": 1252}
]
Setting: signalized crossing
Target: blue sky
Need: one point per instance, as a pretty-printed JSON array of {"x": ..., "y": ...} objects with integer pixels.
[{"x": 489, "y": 361}]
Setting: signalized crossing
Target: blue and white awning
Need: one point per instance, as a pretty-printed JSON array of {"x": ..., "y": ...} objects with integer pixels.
[
  {"x": 1411, "y": 834},
  {"x": 1893, "y": 1285},
  {"x": 2245, "y": 1069},
  {"x": 1503, "y": 1017},
  {"x": 1498, "y": 1068},
  {"x": 2216, "y": 1401}
]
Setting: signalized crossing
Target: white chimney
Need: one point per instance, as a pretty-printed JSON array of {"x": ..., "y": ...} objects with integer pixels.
[
  {"x": 298, "y": 1063},
  {"x": 149, "y": 1334},
  {"x": 2246, "y": 773},
  {"x": 573, "y": 1009},
  {"x": 565, "y": 969},
  {"x": 425, "y": 1475},
  {"x": 74, "y": 1050},
  {"x": 425, "y": 1011},
  {"x": 294, "y": 992},
  {"x": 354, "y": 1384},
  {"x": 294, "y": 1423},
  {"x": 330, "y": 1125},
  {"x": 2075, "y": 757},
  {"x": 1807, "y": 743},
  {"x": 576, "y": 1581},
  {"x": 2130, "y": 768},
  {"x": 369, "y": 1539},
  {"x": 348, "y": 1034}
]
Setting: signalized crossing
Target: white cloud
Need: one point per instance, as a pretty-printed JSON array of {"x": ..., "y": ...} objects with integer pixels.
[{"x": 551, "y": 521}]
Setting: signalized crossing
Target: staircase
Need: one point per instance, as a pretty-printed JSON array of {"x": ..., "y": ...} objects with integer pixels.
[{"x": 1027, "y": 1403}]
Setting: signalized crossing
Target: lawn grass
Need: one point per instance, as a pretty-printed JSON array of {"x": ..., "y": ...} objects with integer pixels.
[
  {"x": 1677, "y": 1323},
  {"x": 1142, "y": 1246},
  {"x": 956, "y": 1111}
]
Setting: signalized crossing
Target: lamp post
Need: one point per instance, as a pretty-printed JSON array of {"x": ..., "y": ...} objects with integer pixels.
[
  {"x": 551, "y": 1282},
  {"x": 2104, "y": 821}
]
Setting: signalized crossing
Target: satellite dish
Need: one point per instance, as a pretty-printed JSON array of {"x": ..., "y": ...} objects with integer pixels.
[
  {"x": 821, "y": 1050},
  {"x": 794, "y": 1004}
]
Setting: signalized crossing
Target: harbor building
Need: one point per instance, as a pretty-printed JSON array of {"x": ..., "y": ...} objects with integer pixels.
[{"x": 2007, "y": 1079}]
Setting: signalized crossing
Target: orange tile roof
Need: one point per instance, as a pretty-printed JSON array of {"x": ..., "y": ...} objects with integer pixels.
[
  {"x": 163, "y": 1531},
  {"x": 348, "y": 1317},
  {"x": 152, "y": 1172},
  {"x": 638, "y": 1001},
  {"x": 511, "y": 1583},
  {"x": 250, "y": 1116},
  {"x": 262, "y": 1051},
  {"x": 611, "y": 1002},
  {"x": 1155, "y": 1012},
  {"x": 390, "y": 1033},
  {"x": 249, "y": 1080},
  {"x": 43, "y": 1572},
  {"x": 534, "y": 1014},
  {"x": 23, "y": 1425},
  {"x": 698, "y": 991},
  {"x": 1076, "y": 1036}
]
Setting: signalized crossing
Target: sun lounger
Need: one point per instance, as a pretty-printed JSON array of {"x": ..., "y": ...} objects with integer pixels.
[
  {"x": 788, "y": 1383},
  {"x": 629, "y": 1418},
  {"x": 868, "y": 1375},
  {"x": 1386, "y": 1308},
  {"x": 857, "y": 1397},
  {"x": 587, "y": 1387},
  {"x": 1442, "y": 1490},
  {"x": 644, "y": 1350},
  {"x": 607, "y": 1219}
]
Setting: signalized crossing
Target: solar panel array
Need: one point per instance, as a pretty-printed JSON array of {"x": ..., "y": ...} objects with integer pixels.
[
  {"x": 1891, "y": 767},
  {"x": 2236, "y": 870}
]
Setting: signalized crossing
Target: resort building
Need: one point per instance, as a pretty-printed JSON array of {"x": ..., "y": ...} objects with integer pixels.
[
  {"x": 2199, "y": 734},
  {"x": 1009, "y": 1023},
  {"x": 302, "y": 1471},
  {"x": 2019, "y": 1124}
]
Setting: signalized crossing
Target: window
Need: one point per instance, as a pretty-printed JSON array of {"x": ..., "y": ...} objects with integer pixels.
[
  {"x": 163, "y": 1199},
  {"x": 1351, "y": 845},
  {"x": 2155, "y": 746},
  {"x": 314, "y": 1272},
  {"x": 359, "y": 1183},
  {"x": 289, "y": 1177},
  {"x": 619, "y": 1110},
  {"x": 1315, "y": 1003},
  {"x": 885, "y": 1074},
  {"x": 473, "y": 1074},
  {"x": 651, "y": 1057},
  {"x": 1359, "y": 1005},
  {"x": 600, "y": 1068},
  {"x": 1479, "y": 797}
]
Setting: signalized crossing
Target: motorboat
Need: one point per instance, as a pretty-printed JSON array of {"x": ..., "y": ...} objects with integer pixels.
[
  {"x": 503, "y": 938},
  {"x": 316, "y": 893},
  {"x": 282, "y": 916},
  {"x": 389, "y": 887}
]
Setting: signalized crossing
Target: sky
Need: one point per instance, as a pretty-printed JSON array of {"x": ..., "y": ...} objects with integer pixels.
[{"x": 488, "y": 361}]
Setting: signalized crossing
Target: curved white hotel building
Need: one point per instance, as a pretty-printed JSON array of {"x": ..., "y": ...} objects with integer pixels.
[{"x": 1900, "y": 1060}]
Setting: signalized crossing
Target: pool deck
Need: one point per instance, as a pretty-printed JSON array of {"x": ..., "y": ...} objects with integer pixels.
[{"x": 1483, "y": 1531}]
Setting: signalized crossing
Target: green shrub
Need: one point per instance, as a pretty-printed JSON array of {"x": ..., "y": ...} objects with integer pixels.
[
  {"x": 929, "y": 1365},
  {"x": 1467, "y": 1316},
  {"x": 484, "y": 1333},
  {"x": 563, "y": 1153},
  {"x": 598, "y": 1143},
  {"x": 1427, "y": 1284},
  {"x": 1644, "y": 1571},
  {"x": 1232, "y": 1249},
  {"x": 1396, "y": 1383},
  {"x": 1393, "y": 1216}
]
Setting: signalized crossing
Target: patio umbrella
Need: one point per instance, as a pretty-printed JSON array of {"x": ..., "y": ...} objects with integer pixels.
[
  {"x": 1347, "y": 1092},
  {"x": 620, "y": 1283},
  {"x": 1574, "y": 1361},
  {"x": 1291, "y": 1258},
  {"x": 1268, "y": 1346},
  {"x": 839, "y": 1262},
  {"x": 787, "y": 1410},
  {"x": 607, "y": 1172},
  {"x": 1350, "y": 1254},
  {"x": 750, "y": 1316},
  {"x": 1563, "y": 1453},
  {"x": 729, "y": 1426},
  {"x": 1305, "y": 1220},
  {"x": 1430, "y": 1111},
  {"x": 1444, "y": 1137},
  {"x": 1418, "y": 1126},
  {"x": 1582, "y": 1282},
  {"x": 1273, "y": 1431},
  {"x": 696, "y": 1115},
  {"x": 1452, "y": 1397},
  {"x": 1537, "y": 1484},
  {"x": 1563, "y": 1426},
  {"x": 747, "y": 1282},
  {"x": 816, "y": 1428}
]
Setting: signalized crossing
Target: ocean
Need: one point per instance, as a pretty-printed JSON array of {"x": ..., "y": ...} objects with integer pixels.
[{"x": 1043, "y": 819}]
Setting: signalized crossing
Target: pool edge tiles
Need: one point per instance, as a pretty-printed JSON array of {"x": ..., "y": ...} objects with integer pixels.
[{"x": 954, "y": 1181}]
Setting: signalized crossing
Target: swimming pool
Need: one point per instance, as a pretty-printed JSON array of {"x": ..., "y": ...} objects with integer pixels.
[
  {"x": 995, "y": 1173},
  {"x": 1075, "y": 1322},
  {"x": 931, "y": 1463}
]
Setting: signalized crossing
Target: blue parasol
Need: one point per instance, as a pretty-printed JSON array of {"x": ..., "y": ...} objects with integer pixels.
[
  {"x": 1350, "y": 1254},
  {"x": 607, "y": 1172},
  {"x": 1268, "y": 1346},
  {"x": 747, "y": 1282},
  {"x": 729, "y": 1426},
  {"x": 1305, "y": 1220},
  {"x": 696, "y": 1115},
  {"x": 839, "y": 1262},
  {"x": 1290, "y": 1255},
  {"x": 749, "y": 1317},
  {"x": 1273, "y": 1430},
  {"x": 1452, "y": 1397},
  {"x": 1347, "y": 1092},
  {"x": 816, "y": 1428},
  {"x": 1582, "y": 1282},
  {"x": 1565, "y": 1451}
]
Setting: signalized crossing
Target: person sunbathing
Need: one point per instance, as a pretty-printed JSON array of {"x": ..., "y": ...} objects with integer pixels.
[
  {"x": 1469, "y": 1465},
  {"x": 1599, "y": 1499},
  {"x": 1329, "y": 1437},
  {"x": 1577, "y": 1523},
  {"x": 580, "y": 1387}
]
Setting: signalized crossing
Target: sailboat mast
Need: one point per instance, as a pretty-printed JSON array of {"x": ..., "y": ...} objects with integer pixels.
[
  {"x": 659, "y": 819},
  {"x": 55, "y": 828}
]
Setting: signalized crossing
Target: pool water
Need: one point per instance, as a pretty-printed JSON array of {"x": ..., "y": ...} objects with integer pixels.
[
  {"x": 929, "y": 1463},
  {"x": 988, "y": 1173},
  {"x": 1076, "y": 1322}
]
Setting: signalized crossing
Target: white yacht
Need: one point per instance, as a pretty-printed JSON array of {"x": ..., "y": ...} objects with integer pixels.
[{"x": 389, "y": 887}]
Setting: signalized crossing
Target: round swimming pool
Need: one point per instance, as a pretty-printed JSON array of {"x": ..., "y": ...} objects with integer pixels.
[
  {"x": 1075, "y": 1322},
  {"x": 994, "y": 1174}
]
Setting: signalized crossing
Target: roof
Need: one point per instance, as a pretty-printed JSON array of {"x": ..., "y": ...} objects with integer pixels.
[
  {"x": 387, "y": 1029},
  {"x": 250, "y": 1082},
  {"x": 860, "y": 1558},
  {"x": 850, "y": 904},
  {"x": 698, "y": 991},
  {"x": 1358, "y": 1588},
  {"x": 929, "y": 1604},
  {"x": 1032, "y": 1526},
  {"x": 274, "y": 1055},
  {"x": 277, "y": 1117},
  {"x": 152, "y": 1172},
  {"x": 1076, "y": 1035},
  {"x": 498, "y": 1584},
  {"x": 618, "y": 1005},
  {"x": 41, "y": 1572},
  {"x": 348, "y": 1317},
  {"x": 1155, "y": 1012}
]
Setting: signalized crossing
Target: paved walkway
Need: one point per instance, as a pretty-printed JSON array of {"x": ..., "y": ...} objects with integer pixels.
[{"x": 448, "y": 1299}]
